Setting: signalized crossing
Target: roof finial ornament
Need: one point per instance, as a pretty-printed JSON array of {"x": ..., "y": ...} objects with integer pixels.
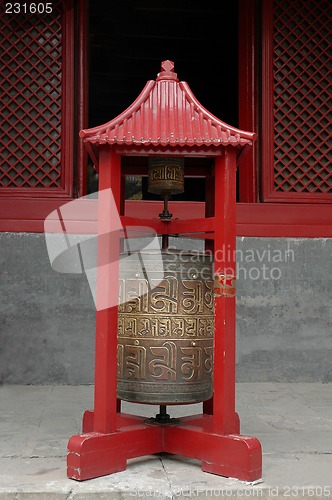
[{"x": 167, "y": 72}]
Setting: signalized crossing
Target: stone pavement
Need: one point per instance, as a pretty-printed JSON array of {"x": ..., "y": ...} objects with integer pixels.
[{"x": 292, "y": 421}]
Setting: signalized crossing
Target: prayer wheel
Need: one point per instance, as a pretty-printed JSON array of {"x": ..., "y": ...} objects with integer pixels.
[
  {"x": 166, "y": 175},
  {"x": 165, "y": 335}
]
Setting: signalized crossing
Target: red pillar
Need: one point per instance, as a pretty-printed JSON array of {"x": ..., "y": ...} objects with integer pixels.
[{"x": 109, "y": 227}]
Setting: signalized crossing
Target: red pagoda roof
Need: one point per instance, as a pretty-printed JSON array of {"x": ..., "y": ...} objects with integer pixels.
[{"x": 166, "y": 113}]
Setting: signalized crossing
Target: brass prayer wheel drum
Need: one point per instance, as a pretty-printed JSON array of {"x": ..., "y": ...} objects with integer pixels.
[
  {"x": 166, "y": 175},
  {"x": 165, "y": 337}
]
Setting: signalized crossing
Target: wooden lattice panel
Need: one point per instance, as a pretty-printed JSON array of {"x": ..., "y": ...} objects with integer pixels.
[
  {"x": 31, "y": 89},
  {"x": 301, "y": 97}
]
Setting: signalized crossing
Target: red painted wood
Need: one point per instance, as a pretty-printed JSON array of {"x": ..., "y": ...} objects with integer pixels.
[
  {"x": 255, "y": 219},
  {"x": 267, "y": 138},
  {"x": 87, "y": 422},
  {"x": 16, "y": 217},
  {"x": 166, "y": 114},
  {"x": 94, "y": 455},
  {"x": 46, "y": 163},
  {"x": 82, "y": 94},
  {"x": 100, "y": 461},
  {"x": 252, "y": 219},
  {"x": 157, "y": 150},
  {"x": 278, "y": 219},
  {"x": 107, "y": 290},
  {"x": 232, "y": 455},
  {"x": 179, "y": 227},
  {"x": 110, "y": 437},
  {"x": 248, "y": 98},
  {"x": 38, "y": 124},
  {"x": 224, "y": 264},
  {"x": 295, "y": 108},
  {"x": 67, "y": 118}
]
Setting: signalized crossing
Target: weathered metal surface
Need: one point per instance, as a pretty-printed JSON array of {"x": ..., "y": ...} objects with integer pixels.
[
  {"x": 165, "y": 336},
  {"x": 166, "y": 175}
]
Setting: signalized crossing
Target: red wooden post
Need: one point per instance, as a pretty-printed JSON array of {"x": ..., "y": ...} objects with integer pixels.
[
  {"x": 248, "y": 96},
  {"x": 82, "y": 94},
  {"x": 225, "y": 273},
  {"x": 109, "y": 227}
]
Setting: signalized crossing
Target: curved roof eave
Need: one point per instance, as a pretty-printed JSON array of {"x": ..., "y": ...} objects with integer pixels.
[{"x": 166, "y": 113}]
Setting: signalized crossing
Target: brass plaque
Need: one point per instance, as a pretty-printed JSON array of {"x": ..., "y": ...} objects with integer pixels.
[{"x": 224, "y": 285}]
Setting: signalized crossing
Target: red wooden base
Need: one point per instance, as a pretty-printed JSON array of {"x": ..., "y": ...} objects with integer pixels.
[{"x": 93, "y": 454}]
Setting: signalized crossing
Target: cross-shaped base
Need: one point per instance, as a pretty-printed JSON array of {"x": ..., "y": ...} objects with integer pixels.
[{"x": 93, "y": 454}]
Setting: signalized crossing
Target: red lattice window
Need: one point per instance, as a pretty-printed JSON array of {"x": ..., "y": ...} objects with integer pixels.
[
  {"x": 36, "y": 123},
  {"x": 296, "y": 70}
]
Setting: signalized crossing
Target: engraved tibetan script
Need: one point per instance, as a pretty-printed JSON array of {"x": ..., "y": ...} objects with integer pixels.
[
  {"x": 135, "y": 362},
  {"x": 163, "y": 367}
]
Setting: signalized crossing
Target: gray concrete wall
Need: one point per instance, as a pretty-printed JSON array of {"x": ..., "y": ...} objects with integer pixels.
[
  {"x": 284, "y": 313},
  {"x": 46, "y": 318},
  {"x": 284, "y": 322}
]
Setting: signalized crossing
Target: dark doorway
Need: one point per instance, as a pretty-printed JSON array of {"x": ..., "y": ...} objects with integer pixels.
[{"x": 128, "y": 41}]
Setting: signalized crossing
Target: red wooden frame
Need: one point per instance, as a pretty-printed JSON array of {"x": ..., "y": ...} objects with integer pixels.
[
  {"x": 254, "y": 219},
  {"x": 67, "y": 117},
  {"x": 278, "y": 218},
  {"x": 213, "y": 436},
  {"x": 82, "y": 92},
  {"x": 173, "y": 123},
  {"x": 267, "y": 139},
  {"x": 248, "y": 98}
]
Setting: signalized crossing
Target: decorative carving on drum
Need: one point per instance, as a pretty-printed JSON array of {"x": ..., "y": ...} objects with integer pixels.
[{"x": 165, "y": 335}]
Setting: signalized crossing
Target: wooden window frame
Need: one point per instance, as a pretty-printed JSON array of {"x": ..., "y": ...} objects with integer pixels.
[
  {"x": 268, "y": 191},
  {"x": 254, "y": 218},
  {"x": 259, "y": 214},
  {"x": 24, "y": 210}
]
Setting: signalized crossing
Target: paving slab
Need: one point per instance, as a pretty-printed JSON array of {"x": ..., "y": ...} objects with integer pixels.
[{"x": 292, "y": 421}]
